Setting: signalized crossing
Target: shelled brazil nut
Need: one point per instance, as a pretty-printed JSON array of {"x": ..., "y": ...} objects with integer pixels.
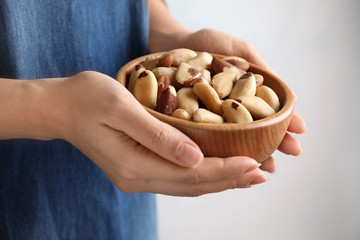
[{"x": 202, "y": 88}]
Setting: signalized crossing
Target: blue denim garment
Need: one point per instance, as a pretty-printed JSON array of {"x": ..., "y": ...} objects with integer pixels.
[{"x": 49, "y": 189}]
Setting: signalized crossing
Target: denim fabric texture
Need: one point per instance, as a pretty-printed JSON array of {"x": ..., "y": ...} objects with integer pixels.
[{"x": 49, "y": 189}]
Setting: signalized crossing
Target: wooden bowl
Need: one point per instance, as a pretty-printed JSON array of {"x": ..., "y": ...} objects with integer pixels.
[{"x": 258, "y": 139}]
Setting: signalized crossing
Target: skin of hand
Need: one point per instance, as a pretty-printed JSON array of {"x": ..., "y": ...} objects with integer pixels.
[
  {"x": 166, "y": 34},
  {"x": 103, "y": 120}
]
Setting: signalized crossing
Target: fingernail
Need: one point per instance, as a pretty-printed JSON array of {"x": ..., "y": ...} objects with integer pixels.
[
  {"x": 258, "y": 180},
  {"x": 253, "y": 167},
  {"x": 188, "y": 155}
]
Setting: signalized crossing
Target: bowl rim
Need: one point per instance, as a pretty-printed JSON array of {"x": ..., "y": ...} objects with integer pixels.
[{"x": 279, "y": 116}]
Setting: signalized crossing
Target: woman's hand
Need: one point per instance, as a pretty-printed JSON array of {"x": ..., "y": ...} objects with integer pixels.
[
  {"x": 105, "y": 122},
  {"x": 214, "y": 41},
  {"x": 166, "y": 33},
  {"x": 135, "y": 150}
]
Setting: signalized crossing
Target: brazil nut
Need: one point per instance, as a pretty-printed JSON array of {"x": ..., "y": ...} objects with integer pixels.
[
  {"x": 182, "y": 55},
  {"x": 163, "y": 83},
  {"x": 187, "y": 100},
  {"x": 201, "y": 61},
  {"x": 186, "y": 75},
  {"x": 223, "y": 83},
  {"x": 238, "y": 62},
  {"x": 206, "y": 75},
  {"x": 170, "y": 72},
  {"x": 218, "y": 65},
  {"x": 259, "y": 79},
  {"x": 209, "y": 97},
  {"x": 204, "y": 116},
  {"x": 167, "y": 102},
  {"x": 181, "y": 114},
  {"x": 245, "y": 86},
  {"x": 235, "y": 112},
  {"x": 145, "y": 89},
  {"x": 164, "y": 61},
  {"x": 134, "y": 76},
  {"x": 161, "y": 71},
  {"x": 269, "y": 96},
  {"x": 256, "y": 106}
]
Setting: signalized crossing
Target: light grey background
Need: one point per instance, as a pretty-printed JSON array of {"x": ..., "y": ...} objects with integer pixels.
[{"x": 314, "y": 47}]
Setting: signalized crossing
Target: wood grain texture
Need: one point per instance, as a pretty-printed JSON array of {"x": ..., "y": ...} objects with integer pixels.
[{"x": 258, "y": 139}]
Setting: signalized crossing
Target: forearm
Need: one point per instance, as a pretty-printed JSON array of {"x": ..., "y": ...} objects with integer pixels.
[
  {"x": 27, "y": 109},
  {"x": 165, "y": 32}
]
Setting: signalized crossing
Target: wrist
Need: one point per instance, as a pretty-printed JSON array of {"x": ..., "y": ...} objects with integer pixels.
[
  {"x": 30, "y": 109},
  {"x": 165, "y": 32},
  {"x": 165, "y": 41}
]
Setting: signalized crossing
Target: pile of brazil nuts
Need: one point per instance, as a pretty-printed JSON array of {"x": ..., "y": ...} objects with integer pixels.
[{"x": 202, "y": 88}]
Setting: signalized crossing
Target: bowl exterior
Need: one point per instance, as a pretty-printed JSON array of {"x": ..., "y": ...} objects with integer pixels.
[{"x": 258, "y": 139}]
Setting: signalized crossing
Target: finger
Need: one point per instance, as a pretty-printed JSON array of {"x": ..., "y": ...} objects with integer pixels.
[
  {"x": 147, "y": 165},
  {"x": 159, "y": 137},
  {"x": 167, "y": 141},
  {"x": 269, "y": 165},
  {"x": 297, "y": 124},
  {"x": 198, "y": 189},
  {"x": 211, "y": 169},
  {"x": 290, "y": 145}
]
